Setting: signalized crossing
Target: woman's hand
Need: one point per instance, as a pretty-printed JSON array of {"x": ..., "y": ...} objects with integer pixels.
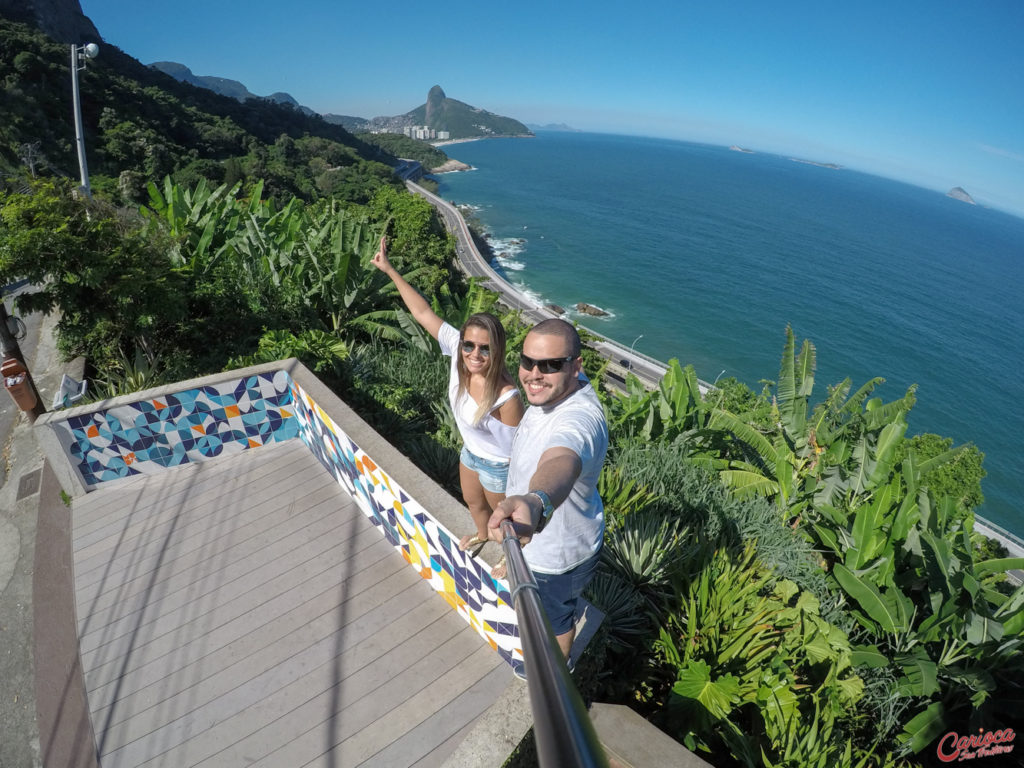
[{"x": 380, "y": 258}]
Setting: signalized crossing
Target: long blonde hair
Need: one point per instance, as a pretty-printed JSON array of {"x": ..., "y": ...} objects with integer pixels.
[{"x": 495, "y": 375}]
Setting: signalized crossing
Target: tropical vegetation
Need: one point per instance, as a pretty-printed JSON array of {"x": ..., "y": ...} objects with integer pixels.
[{"x": 789, "y": 578}]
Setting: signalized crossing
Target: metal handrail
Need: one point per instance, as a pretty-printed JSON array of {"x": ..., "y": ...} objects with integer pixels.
[{"x": 561, "y": 726}]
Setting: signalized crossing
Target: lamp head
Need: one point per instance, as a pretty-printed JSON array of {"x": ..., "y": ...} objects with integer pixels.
[{"x": 91, "y": 51}]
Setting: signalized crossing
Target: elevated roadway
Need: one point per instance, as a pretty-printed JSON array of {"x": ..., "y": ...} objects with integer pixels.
[{"x": 621, "y": 359}]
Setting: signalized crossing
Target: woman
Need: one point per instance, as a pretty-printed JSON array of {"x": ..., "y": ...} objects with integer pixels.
[{"x": 483, "y": 397}]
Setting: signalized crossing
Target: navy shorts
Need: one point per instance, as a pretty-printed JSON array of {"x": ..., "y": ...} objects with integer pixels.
[
  {"x": 560, "y": 593},
  {"x": 493, "y": 474}
]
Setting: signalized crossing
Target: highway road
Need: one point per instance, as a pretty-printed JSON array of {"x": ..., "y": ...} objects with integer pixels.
[{"x": 622, "y": 360}]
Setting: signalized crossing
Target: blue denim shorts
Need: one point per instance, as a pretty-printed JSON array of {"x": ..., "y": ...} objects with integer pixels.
[
  {"x": 493, "y": 474},
  {"x": 560, "y": 593}
]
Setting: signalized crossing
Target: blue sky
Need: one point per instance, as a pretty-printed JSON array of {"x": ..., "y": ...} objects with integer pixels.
[{"x": 926, "y": 92}]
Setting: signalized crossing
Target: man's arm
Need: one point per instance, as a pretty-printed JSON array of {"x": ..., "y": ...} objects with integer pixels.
[{"x": 557, "y": 470}]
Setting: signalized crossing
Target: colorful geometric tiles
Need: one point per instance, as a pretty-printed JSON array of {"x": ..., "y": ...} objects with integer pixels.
[
  {"x": 182, "y": 427},
  {"x": 464, "y": 582}
]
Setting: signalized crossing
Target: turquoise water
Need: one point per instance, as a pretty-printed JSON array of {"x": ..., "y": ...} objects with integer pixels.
[{"x": 706, "y": 254}]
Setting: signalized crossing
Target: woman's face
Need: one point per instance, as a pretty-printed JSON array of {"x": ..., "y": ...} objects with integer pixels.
[{"x": 478, "y": 342}]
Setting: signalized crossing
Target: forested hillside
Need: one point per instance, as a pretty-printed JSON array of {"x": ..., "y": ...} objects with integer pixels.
[{"x": 141, "y": 124}]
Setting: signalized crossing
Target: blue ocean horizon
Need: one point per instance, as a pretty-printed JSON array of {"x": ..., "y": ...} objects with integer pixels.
[{"x": 705, "y": 254}]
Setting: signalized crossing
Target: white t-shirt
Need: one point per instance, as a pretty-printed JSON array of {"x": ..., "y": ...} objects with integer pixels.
[
  {"x": 490, "y": 438},
  {"x": 576, "y": 528}
]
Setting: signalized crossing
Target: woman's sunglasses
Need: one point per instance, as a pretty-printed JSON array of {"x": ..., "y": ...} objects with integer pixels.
[
  {"x": 469, "y": 346},
  {"x": 551, "y": 365}
]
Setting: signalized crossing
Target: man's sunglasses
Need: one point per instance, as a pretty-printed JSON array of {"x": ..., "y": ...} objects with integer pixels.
[
  {"x": 469, "y": 346},
  {"x": 551, "y": 365}
]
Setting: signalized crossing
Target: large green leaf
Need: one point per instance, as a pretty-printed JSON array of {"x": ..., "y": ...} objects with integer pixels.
[
  {"x": 746, "y": 483},
  {"x": 998, "y": 565},
  {"x": 741, "y": 431},
  {"x": 924, "y": 727},
  {"x": 920, "y": 674},
  {"x": 868, "y": 656},
  {"x": 982, "y": 629},
  {"x": 881, "y": 610},
  {"x": 939, "y": 561},
  {"x": 869, "y": 529},
  {"x": 718, "y": 696}
]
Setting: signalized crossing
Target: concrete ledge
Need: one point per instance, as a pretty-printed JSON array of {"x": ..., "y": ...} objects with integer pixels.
[
  {"x": 66, "y": 737},
  {"x": 632, "y": 742}
]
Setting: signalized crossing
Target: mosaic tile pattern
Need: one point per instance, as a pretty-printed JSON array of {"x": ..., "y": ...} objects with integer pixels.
[
  {"x": 464, "y": 582},
  {"x": 197, "y": 424}
]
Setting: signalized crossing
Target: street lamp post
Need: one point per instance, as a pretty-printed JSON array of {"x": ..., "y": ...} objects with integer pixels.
[
  {"x": 79, "y": 55},
  {"x": 629, "y": 360}
]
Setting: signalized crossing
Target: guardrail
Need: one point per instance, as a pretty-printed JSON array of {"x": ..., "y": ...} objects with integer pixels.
[{"x": 561, "y": 726}]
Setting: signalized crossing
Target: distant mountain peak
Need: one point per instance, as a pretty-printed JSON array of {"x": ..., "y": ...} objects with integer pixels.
[
  {"x": 435, "y": 104},
  {"x": 223, "y": 85},
  {"x": 461, "y": 120},
  {"x": 959, "y": 193}
]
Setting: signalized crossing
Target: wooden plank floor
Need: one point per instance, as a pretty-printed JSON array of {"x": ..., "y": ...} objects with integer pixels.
[{"x": 245, "y": 612}]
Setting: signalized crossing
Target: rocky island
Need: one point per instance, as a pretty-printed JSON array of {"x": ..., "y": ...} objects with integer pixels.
[
  {"x": 590, "y": 309},
  {"x": 959, "y": 193}
]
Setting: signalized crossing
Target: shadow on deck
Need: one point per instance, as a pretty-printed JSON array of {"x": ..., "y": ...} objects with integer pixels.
[{"x": 244, "y": 611}]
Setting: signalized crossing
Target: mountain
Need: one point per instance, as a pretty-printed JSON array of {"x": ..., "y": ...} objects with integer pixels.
[
  {"x": 223, "y": 85},
  {"x": 140, "y": 125},
  {"x": 461, "y": 120},
  {"x": 959, "y": 193},
  {"x": 553, "y": 127},
  {"x": 62, "y": 20},
  {"x": 350, "y": 123}
]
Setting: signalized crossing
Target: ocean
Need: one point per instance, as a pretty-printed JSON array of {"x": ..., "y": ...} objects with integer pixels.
[{"x": 705, "y": 254}]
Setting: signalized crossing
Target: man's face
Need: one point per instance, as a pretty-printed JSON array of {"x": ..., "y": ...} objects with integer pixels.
[{"x": 548, "y": 388}]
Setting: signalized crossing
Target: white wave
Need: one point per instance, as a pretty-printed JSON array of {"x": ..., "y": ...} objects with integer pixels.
[
  {"x": 530, "y": 295},
  {"x": 507, "y": 251}
]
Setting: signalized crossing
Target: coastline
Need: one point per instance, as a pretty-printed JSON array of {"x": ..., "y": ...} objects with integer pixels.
[{"x": 648, "y": 369}]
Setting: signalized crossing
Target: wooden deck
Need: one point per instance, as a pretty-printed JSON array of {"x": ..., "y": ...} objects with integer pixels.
[{"x": 245, "y": 612}]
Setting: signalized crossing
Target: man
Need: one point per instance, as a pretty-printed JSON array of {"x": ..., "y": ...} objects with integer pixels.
[{"x": 556, "y": 459}]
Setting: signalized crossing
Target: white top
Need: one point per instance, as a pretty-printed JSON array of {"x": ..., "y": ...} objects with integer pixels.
[
  {"x": 491, "y": 438},
  {"x": 576, "y": 528}
]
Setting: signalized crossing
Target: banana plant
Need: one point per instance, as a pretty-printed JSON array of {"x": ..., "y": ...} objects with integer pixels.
[
  {"x": 756, "y": 666},
  {"x": 200, "y": 220},
  {"x": 675, "y": 409},
  {"x": 933, "y": 613},
  {"x": 844, "y": 447}
]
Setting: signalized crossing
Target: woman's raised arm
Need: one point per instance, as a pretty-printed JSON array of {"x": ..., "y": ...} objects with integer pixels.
[{"x": 414, "y": 302}]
